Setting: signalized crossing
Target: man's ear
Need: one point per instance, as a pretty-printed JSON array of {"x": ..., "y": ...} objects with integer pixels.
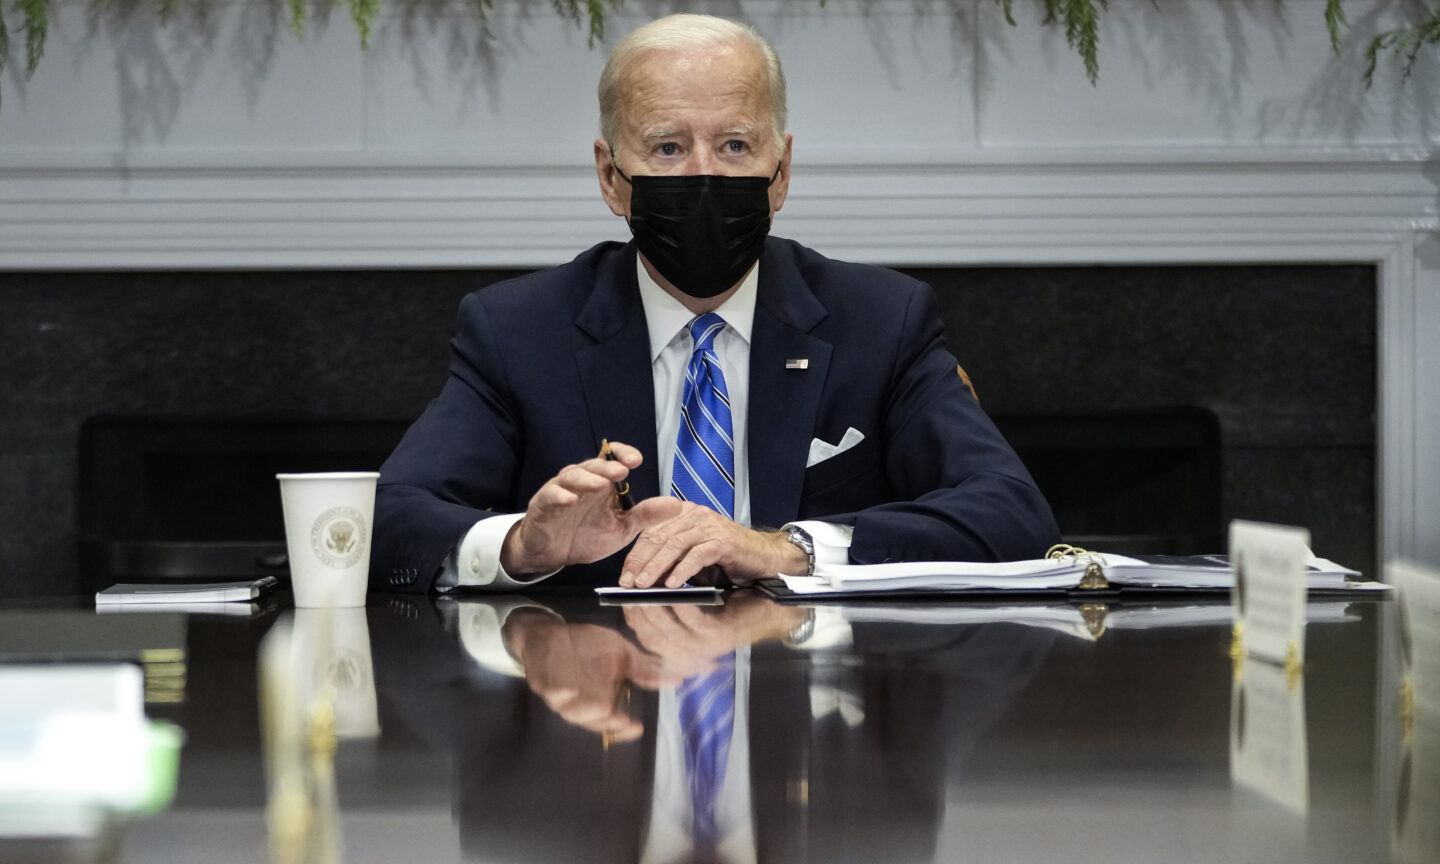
[
  {"x": 613, "y": 187},
  {"x": 780, "y": 188}
]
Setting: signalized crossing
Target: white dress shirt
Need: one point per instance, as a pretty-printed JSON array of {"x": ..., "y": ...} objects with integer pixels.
[
  {"x": 475, "y": 563},
  {"x": 668, "y": 837}
]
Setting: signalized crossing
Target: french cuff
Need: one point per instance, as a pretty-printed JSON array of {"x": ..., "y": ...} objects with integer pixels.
[
  {"x": 832, "y": 542},
  {"x": 477, "y": 559},
  {"x": 480, "y": 625}
]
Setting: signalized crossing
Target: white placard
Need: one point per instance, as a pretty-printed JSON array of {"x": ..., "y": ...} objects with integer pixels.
[
  {"x": 1415, "y": 832},
  {"x": 1269, "y": 592},
  {"x": 1419, "y": 600},
  {"x": 1268, "y": 744},
  {"x": 1415, "y": 836}
]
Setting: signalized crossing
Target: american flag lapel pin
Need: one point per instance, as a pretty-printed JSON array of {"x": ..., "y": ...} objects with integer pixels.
[{"x": 798, "y": 363}]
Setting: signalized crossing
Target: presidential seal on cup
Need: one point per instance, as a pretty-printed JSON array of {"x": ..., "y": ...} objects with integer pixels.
[{"x": 328, "y": 521}]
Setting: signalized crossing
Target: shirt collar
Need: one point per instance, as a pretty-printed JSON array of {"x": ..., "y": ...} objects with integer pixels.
[{"x": 666, "y": 317}]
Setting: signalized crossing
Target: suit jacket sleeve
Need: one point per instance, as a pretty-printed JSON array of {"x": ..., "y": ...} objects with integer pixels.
[
  {"x": 957, "y": 491},
  {"x": 455, "y": 466}
]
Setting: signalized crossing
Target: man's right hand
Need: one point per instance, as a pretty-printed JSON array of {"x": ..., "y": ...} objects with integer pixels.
[
  {"x": 582, "y": 670},
  {"x": 573, "y": 518}
]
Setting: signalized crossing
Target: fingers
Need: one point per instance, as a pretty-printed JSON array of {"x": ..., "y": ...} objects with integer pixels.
[
  {"x": 602, "y": 718},
  {"x": 589, "y": 478},
  {"x": 591, "y": 475},
  {"x": 686, "y": 639},
  {"x": 672, "y": 631},
  {"x": 656, "y": 541},
  {"x": 648, "y": 672},
  {"x": 654, "y": 511},
  {"x": 700, "y": 557},
  {"x": 676, "y": 550},
  {"x": 626, "y": 455}
]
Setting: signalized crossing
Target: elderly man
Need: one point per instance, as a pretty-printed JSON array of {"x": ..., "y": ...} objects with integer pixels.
[{"x": 768, "y": 407}]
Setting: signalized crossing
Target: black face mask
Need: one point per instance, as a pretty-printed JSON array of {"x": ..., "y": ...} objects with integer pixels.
[{"x": 703, "y": 232}]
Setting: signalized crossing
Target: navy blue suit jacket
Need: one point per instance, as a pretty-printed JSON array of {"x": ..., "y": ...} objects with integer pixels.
[{"x": 547, "y": 364}]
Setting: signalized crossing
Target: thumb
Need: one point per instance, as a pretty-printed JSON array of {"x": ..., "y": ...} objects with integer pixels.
[{"x": 652, "y": 512}]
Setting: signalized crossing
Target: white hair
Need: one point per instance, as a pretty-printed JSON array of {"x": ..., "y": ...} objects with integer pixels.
[{"x": 685, "y": 32}]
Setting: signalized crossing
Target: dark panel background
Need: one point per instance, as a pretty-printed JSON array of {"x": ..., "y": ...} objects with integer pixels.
[{"x": 1285, "y": 355}]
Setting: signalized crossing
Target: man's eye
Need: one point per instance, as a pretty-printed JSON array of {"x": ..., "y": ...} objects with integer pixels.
[
  {"x": 669, "y": 148},
  {"x": 736, "y": 146}
]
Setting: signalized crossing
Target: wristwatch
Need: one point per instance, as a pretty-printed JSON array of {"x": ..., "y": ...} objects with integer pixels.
[
  {"x": 800, "y": 537},
  {"x": 801, "y": 633}
]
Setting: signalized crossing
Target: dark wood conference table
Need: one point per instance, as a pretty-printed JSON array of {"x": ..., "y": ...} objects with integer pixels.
[{"x": 542, "y": 728}]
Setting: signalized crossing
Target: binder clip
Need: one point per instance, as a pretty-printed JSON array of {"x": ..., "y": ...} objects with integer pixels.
[{"x": 1094, "y": 577}]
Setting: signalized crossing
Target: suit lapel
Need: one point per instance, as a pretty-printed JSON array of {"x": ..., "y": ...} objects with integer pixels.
[
  {"x": 783, "y": 401},
  {"x": 615, "y": 366}
]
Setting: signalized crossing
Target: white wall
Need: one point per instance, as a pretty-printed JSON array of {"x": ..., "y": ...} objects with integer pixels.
[{"x": 927, "y": 132}]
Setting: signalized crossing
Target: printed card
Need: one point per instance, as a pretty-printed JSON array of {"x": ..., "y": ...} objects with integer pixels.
[
  {"x": 1418, "y": 595},
  {"x": 1269, "y": 590},
  {"x": 1268, "y": 744}
]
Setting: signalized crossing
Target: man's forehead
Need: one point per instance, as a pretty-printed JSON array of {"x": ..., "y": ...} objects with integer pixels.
[{"x": 727, "y": 82}]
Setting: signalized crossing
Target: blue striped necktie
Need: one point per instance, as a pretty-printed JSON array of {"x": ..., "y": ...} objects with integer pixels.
[
  {"x": 704, "y": 471},
  {"x": 707, "y": 718}
]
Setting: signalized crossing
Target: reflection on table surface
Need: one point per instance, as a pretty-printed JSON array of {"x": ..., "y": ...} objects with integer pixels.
[{"x": 552, "y": 728}]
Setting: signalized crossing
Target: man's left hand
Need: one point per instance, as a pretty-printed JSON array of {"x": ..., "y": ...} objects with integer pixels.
[
  {"x": 687, "y": 639},
  {"x": 700, "y": 541}
]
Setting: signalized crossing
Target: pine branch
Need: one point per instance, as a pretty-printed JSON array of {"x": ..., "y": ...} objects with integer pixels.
[
  {"x": 1080, "y": 20},
  {"x": 299, "y": 15},
  {"x": 1052, "y": 12},
  {"x": 1404, "y": 44},
  {"x": 363, "y": 13},
  {"x": 567, "y": 9},
  {"x": 594, "y": 13},
  {"x": 1372, "y": 54},
  {"x": 597, "y": 22},
  {"x": 1335, "y": 22},
  {"x": 1087, "y": 35},
  {"x": 37, "y": 21},
  {"x": 481, "y": 10},
  {"x": 1008, "y": 6}
]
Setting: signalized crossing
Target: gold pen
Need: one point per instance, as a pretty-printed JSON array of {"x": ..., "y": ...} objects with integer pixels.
[
  {"x": 607, "y": 737},
  {"x": 623, "y": 500}
]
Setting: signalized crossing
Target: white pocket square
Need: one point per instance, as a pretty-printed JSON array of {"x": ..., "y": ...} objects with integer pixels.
[{"x": 822, "y": 450}]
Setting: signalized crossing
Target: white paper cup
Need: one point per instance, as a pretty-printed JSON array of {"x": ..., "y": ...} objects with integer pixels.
[
  {"x": 334, "y": 645},
  {"x": 328, "y": 520}
]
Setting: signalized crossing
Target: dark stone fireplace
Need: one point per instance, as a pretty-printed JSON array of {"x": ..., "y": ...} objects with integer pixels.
[{"x": 1152, "y": 403}]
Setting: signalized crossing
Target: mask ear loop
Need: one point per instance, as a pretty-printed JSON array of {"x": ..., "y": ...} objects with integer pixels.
[{"x": 618, "y": 170}]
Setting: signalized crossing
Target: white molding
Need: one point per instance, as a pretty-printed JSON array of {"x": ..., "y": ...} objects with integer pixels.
[
  {"x": 1396, "y": 407},
  {"x": 1026, "y": 208}
]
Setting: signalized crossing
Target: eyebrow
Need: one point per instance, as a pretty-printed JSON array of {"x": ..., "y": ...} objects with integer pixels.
[{"x": 657, "y": 132}]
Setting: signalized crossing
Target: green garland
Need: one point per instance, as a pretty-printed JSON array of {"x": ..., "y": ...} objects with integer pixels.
[{"x": 1080, "y": 19}]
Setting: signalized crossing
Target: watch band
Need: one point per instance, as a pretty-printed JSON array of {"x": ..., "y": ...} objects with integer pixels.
[
  {"x": 801, "y": 538},
  {"x": 801, "y": 633}
]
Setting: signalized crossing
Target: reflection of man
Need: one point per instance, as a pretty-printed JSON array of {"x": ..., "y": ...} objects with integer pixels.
[
  {"x": 760, "y": 382},
  {"x": 837, "y": 753},
  {"x": 697, "y": 738}
]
